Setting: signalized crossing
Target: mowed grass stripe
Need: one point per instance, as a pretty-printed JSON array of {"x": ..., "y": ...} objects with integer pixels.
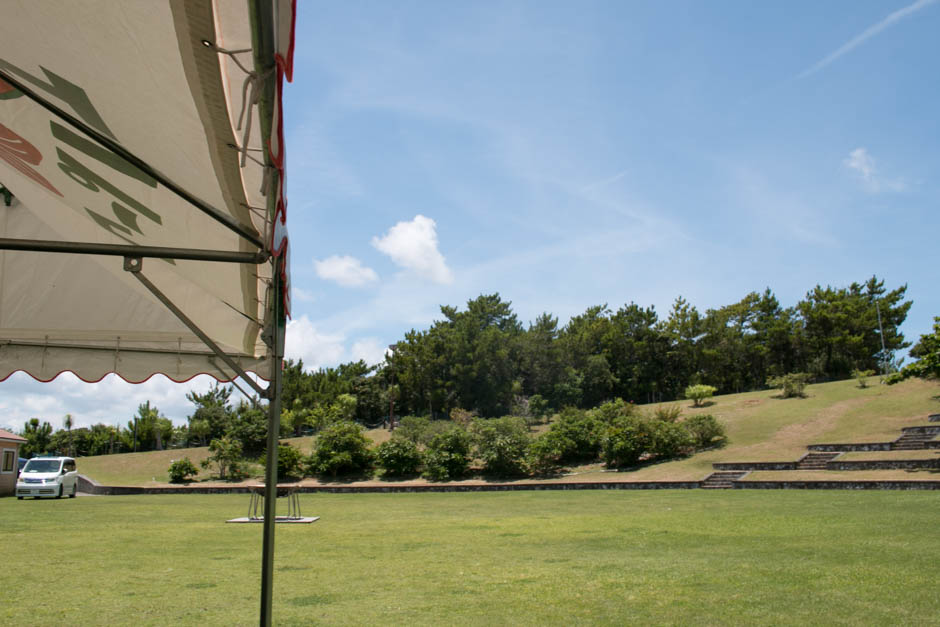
[{"x": 592, "y": 557}]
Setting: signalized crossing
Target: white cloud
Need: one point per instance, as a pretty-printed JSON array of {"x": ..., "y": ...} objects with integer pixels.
[
  {"x": 867, "y": 34},
  {"x": 316, "y": 349},
  {"x": 110, "y": 401},
  {"x": 864, "y": 165},
  {"x": 347, "y": 271},
  {"x": 413, "y": 245},
  {"x": 300, "y": 295},
  {"x": 370, "y": 350},
  {"x": 322, "y": 350},
  {"x": 860, "y": 161}
]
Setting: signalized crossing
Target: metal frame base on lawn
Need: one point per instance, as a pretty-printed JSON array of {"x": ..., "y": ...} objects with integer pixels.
[
  {"x": 303, "y": 520},
  {"x": 256, "y": 503}
]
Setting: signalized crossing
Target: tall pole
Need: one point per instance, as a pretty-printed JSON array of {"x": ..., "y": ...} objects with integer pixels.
[
  {"x": 881, "y": 333},
  {"x": 263, "y": 43},
  {"x": 270, "y": 472},
  {"x": 391, "y": 390}
]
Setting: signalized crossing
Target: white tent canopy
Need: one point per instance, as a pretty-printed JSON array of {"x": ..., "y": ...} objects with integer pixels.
[
  {"x": 142, "y": 212},
  {"x": 138, "y": 124}
]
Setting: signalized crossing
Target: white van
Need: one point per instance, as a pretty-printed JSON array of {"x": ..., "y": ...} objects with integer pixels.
[{"x": 48, "y": 477}]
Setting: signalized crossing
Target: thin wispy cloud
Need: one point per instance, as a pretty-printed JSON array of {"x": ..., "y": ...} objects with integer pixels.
[
  {"x": 860, "y": 161},
  {"x": 300, "y": 295},
  {"x": 867, "y": 34},
  {"x": 346, "y": 271},
  {"x": 604, "y": 182},
  {"x": 862, "y": 164}
]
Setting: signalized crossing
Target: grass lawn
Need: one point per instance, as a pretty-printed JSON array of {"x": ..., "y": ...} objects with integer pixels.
[{"x": 559, "y": 558}]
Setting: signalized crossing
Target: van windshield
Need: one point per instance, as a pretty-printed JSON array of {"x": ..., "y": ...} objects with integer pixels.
[{"x": 42, "y": 465}]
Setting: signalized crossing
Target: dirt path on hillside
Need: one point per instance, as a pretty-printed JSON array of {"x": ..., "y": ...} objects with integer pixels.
[
  {"x": 809, "y": 432},
  {"x": 789, "y": 442}
]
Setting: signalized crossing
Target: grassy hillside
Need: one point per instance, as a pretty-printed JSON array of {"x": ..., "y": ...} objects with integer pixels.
[
  {"x": 148, "y": 468},
  {"x": 761, "y": 427}
]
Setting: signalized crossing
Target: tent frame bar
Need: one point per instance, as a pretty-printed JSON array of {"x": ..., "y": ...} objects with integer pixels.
[
  {"x": 134, "y": 265},
  {"x": 110, "y": 349},
  {"x": 126, "y": 250},
  {"x": 248, "y": 232}
]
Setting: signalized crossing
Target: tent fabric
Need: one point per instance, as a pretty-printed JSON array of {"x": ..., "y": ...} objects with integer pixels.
[{"x": 173, "y": 84}]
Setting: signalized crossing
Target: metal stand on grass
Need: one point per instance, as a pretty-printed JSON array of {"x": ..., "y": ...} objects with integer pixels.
[{"x": 257, "y": 507}]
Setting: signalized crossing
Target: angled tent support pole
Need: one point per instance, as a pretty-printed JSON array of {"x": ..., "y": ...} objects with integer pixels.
[
  {"x": 134, "y": 265},
  {"x": 253, "y": 399},
  {"x": 125, "y": 250}
]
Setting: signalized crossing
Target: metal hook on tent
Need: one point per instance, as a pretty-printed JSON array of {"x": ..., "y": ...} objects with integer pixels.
[
  {"x": 244, "y": 152},
  {"x": 252, "y": 80},
  {"x": 266, "y": 178}
]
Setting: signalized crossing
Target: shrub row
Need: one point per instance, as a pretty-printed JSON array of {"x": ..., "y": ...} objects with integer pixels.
[{"x": 617, "y": 433}]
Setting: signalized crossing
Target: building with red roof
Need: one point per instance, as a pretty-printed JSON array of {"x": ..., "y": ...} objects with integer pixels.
[{"x": 9, "y": 454}]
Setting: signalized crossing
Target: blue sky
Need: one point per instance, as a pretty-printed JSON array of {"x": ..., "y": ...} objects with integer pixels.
[{"x": 570, "y": 154}]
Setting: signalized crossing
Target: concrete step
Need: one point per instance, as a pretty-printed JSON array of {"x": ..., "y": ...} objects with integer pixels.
[
  {"x": 815, "y": 461},
  {"x": 722, "y": 479}
]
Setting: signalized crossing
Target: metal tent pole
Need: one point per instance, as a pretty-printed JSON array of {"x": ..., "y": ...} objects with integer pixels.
[
  {"x": 270, "y": 474},
  {"x": 263, "y": 44}
]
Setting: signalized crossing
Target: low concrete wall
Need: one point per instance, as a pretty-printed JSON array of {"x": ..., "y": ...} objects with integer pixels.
[
  {"x": 755, "y": 465},
  {"x": 508, "y": 487},
  {"x": 89, "y": 486},
  {"x": 837, "y": 485},
  {"x": 866, "y": 446},
  {"x": 924, "y": 429},
  {"x": 884, "y": 464}
]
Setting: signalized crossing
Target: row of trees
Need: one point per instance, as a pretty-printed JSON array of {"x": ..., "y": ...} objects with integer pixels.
[
  {"x": 483, "y": 359},
  {"x": 149, "y": 430},
  {"x": 152, "y": 431}
]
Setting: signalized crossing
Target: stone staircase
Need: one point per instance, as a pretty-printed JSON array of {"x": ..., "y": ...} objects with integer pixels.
[
  {"x": 722, "y": 479},
  {"x": 915, "y": 438},
  {"x": 816, "y": 461},
  {"x": 822, "y": 457}
]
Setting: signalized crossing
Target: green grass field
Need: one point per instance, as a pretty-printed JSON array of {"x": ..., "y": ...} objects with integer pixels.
[{"x": 558, "y": 558}]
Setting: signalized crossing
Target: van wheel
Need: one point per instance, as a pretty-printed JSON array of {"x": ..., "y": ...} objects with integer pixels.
[
  {"x": 19, "y": 498},
  {"x": 74, "y": 490},
  {"x": 59, "y": 495}
]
